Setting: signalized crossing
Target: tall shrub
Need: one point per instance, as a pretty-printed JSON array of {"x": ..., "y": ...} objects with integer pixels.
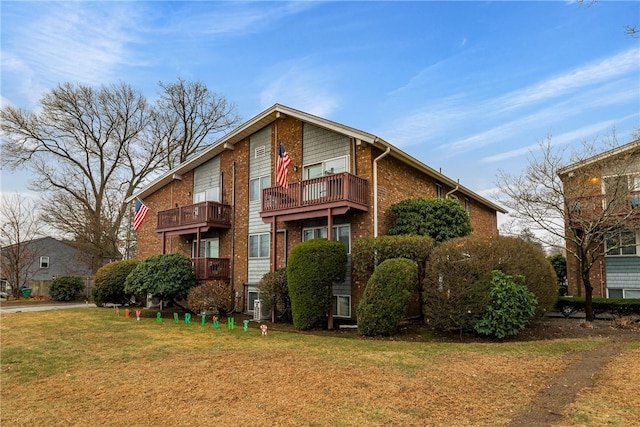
[
  {"x": 109, "y": 282},
  {"x": 441, "y": 219},
  {"x": 65, "y": 288},
  {"x": 456, "y": 285},
  {"x": 169, "y": 276},
  {"x": 312, "y": 268},
  {"x": 387, "y": 296}
]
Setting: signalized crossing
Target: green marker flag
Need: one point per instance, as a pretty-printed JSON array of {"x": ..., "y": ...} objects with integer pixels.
[
  {"x": 246, "y": 325},
  {"x": 175, "y": 318},
  {"x": 159, "y": 317},
  {"x": 216, "y": 322},
  {"x": 204, "y": 318},
  {"x": 187, "y": 319},
  {"x": 230, "y": 322}
]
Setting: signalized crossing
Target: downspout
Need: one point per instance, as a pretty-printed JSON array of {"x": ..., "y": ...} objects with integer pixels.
[
  {"x": 375, "y": 190},
  {"x": 233, "y": 234},
  {"x": 446, "y": 196}
]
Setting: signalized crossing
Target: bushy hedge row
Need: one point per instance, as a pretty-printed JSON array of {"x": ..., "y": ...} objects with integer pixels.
[
  {"x": 387, "y": 296},
  {"x": 65, "y": 288},
  {"x": 456, "y": 286},
  {"x": 616, "y": 306},
  {"x": 367, "y": 253},
  {"x": 312, "y": 268},
  {"x": 109, "y": 282}
]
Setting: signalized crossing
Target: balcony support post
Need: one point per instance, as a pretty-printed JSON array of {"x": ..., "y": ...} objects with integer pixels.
[{"x": 274, "y": 242}]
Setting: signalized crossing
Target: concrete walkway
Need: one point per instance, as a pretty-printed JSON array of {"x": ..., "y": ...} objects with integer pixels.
[{"x": 27, "y": 307}]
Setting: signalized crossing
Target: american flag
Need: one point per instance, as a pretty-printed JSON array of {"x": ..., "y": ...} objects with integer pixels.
[
  {"x": 282, "y": 169},
  {"x": 141, "y": 212}
]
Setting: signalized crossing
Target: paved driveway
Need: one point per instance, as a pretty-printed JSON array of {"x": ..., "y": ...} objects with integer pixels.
[{"x": 26, "y": 307}]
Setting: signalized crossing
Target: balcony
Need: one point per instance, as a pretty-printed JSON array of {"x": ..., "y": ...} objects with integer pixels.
[
  {"x": 315, "y": 197},
  {"x": 189, "y": 218},
  {"x": 599, "y": 207},
  {"x": 211, "y": 268}
]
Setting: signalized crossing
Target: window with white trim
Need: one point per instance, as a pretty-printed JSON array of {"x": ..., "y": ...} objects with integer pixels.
[
  {"x": 259, "y": 245},
  {"x": 210, "y": 195},
  {"x": 256, "y": 186},
  {"x": 438, "y": 190},
  {"x": 621, "y": 243},
  {"x": 341, "y": 233},
  {"x": 44, "y": 262},
  {"x": 467, "y": 205},
  {"x": 342, "y": 306}
]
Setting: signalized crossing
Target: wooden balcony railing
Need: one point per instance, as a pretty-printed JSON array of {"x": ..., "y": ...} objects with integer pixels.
[
  {"x": 203, "y": 214},
  {"x": 211, "y": 268},
  {"x": 603, "y": 206},
  {"x": 337, "y": 188}
]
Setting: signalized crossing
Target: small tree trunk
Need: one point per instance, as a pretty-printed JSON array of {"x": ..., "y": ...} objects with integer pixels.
[{"x": 588, "y": 297}]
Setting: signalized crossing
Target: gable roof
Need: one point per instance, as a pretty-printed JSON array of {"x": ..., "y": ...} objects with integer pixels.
[
  {"x": 276, "y": 111},
  {"x": 633, "y": 145}
]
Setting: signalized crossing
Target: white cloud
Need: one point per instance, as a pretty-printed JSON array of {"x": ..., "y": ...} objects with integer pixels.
[{"x": 301, "y": 86}]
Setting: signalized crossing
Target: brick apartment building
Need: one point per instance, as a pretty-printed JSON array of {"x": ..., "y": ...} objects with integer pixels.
[
  {"x": 224, "y": 209},
  {"x": 605, "y": 191}
]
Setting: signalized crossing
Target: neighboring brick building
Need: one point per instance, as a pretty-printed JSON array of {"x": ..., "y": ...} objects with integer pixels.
[
  {"x": 603, "y": 193},
  {"x": 223, "y": 207}
]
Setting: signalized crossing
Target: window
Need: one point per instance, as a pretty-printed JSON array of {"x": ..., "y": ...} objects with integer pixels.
[
  {"x": 467, "y": 205},
  {"x": 328, "y": 167},
  {"x": 342, "y": 306},
  {"x": 259, "y": 245},
  {"x": 44, "y": 262},
  {"x": 210, "y": 195},
  {"x": 438, "y": 190},
  {"x": 621, "y": 243},
  {"x": 256, "y": 186},
  {"x": 620, "y": 185},
  {"x": 341, "y": 233},
  {"x": 632, "y": 293},
  {"x": 209, "y": 248}
]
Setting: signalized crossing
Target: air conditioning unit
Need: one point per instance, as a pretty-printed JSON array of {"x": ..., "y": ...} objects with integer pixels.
[{"x": 257, "y": 312}]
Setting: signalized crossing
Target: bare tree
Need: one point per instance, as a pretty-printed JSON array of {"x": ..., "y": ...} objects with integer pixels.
[
  {"x": 20, "y": 225},
  {"x": 91, "y": 148},
  {"x": 186, "y": 115},
  {"x": 584, "y": 211},
  {"x": 89, "y": 151}
]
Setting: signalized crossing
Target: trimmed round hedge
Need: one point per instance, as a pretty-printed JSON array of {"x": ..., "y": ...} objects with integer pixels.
[
  {"x": 109, "y": 282},
  {"x": 169, "y": 276},
  {"x": 387, "y": 296}
]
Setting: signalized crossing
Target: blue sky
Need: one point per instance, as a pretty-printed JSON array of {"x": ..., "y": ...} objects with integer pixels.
[{"x": 468, "y": 87}]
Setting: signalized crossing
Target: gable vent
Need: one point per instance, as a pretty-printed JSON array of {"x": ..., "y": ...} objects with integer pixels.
[{"x": 260, "y": 151}]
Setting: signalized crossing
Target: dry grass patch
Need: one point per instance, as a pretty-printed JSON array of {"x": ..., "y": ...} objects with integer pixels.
[
  {"x": 614, "y": 399},
  {"x": 88, "y": 367}
]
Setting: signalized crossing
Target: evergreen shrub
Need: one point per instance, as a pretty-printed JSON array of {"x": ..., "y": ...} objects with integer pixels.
[
  {"x": 168, "y": 276},
  {"x": 312, "y": 268},
  {"x": 511, "y": 306},
  {"x": 456, "y": 284},
  {"x": 65, "y": 288},
  {"x": 109, "y": 282},
  {"x": 387, "y": 296}
]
